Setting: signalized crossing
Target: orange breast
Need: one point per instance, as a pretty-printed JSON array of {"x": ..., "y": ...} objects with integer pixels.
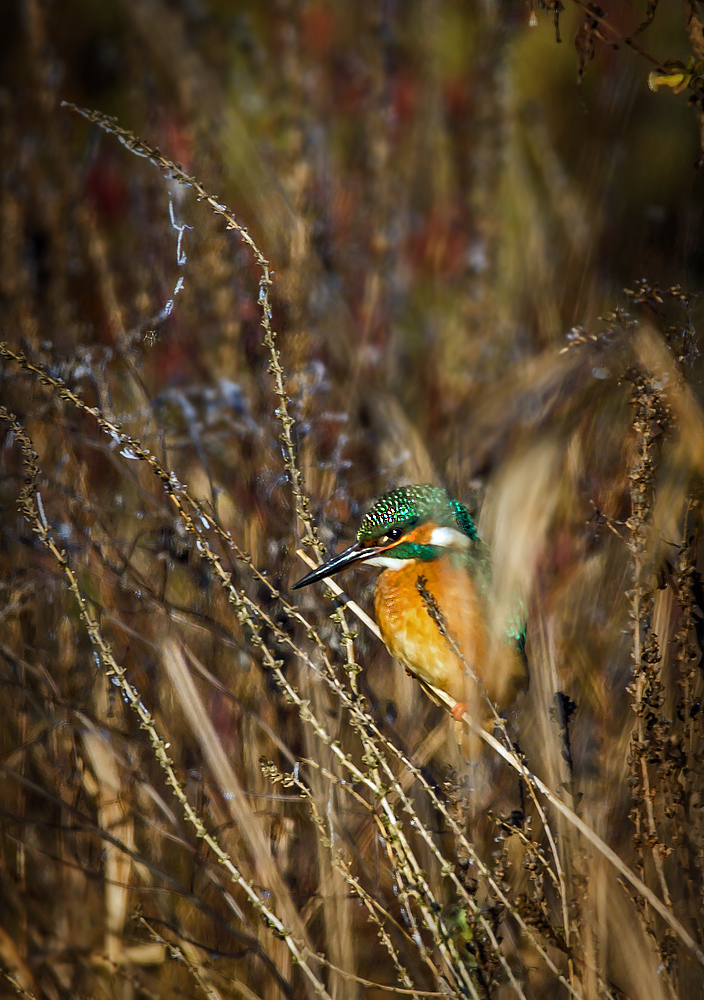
[{"x": 412, "y": 636}]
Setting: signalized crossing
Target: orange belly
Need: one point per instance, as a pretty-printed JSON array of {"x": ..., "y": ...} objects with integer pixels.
[{"x": 413, "y": 637}]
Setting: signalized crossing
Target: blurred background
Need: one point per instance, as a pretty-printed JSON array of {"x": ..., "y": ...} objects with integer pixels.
[{"x": 485, "y": 275}]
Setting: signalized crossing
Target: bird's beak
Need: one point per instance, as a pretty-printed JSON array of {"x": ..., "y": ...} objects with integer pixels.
[{"x": 355, "y": 553}]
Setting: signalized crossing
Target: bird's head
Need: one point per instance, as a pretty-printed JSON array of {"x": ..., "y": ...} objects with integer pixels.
[{"x": 410, "y": 523}]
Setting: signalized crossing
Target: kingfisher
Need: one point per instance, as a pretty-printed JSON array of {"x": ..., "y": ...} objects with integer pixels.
[{"x": 432, "y": 600}]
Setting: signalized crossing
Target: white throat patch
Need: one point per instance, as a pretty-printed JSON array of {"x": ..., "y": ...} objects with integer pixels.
[{"x": 387, "y": 562}]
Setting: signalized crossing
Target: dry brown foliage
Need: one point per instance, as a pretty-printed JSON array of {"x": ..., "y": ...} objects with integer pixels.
[{"x": 351, "y": 266}]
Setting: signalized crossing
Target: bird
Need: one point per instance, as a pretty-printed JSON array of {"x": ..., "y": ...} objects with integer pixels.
[{"x": 433, "y": 598}]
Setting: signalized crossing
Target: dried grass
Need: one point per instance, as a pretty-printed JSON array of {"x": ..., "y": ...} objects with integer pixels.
[{"x": 208, "y": 786}]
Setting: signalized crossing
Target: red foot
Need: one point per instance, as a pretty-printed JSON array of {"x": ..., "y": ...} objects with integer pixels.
[{"x": 458, "y": 710}]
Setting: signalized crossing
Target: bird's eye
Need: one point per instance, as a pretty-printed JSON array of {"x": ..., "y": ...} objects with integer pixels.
[{"x": 393, "y": 534}]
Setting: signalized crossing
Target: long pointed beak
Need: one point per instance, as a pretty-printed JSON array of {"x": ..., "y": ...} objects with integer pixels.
[{"x": 355, "y": 553}]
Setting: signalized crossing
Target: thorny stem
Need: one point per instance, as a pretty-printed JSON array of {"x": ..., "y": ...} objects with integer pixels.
[
  {"x": 376, "y": 914},
  {"x": 595, "y": 16},
  {"x": 13, "y": 980},
  {"x": 32, "y": 507},
  {"x": 177, "y": 953},
  {"x": 640, "y": 476},
  {"x": 376, "y": 761},
  {"x": 435, "y": 613},
  {"x": 174, "y": 172},
  {"x": 372, "y": 906}
]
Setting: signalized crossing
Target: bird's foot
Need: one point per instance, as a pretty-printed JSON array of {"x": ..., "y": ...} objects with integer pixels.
[{"x": 458, "y": 710}]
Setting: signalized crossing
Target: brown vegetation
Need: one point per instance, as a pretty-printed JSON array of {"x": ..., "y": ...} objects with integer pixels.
[{"x": 351, "y": 265}]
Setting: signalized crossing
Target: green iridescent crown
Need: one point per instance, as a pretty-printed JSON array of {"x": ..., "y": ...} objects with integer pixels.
[{"x": 409, "y": 505}]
